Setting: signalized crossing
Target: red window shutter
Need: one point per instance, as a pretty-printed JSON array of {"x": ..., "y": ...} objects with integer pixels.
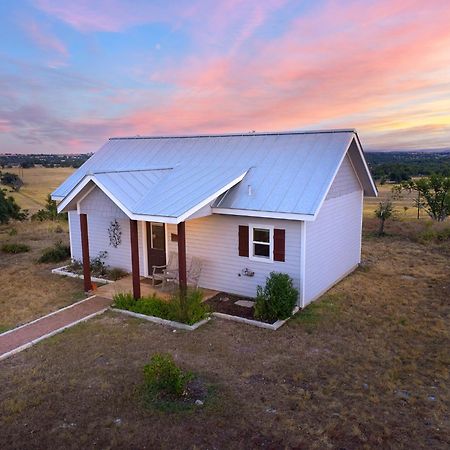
[
  {"x": 243, "y": 240},
  {"x": 279, "y": 244}
]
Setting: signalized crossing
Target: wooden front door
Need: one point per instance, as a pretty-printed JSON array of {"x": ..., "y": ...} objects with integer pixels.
[{"x": 156, "y": 245}]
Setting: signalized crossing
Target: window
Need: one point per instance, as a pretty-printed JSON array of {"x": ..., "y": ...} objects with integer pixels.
[{"x": 261, "y": 243}]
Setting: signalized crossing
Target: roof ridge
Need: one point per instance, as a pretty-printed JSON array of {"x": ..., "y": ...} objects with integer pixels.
[
  {"x": 129, "y": 170},
  {"x": 242, "y": 134}
]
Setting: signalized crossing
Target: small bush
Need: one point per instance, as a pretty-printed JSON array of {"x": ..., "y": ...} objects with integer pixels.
[
  {"x": 190, "y": 311},
  {"x": 164, "y": 380},
  {"x": 15, "y": 248},
  {"x": 12, "y": 232},
  {"x": 97, "y": 265},
  {"x": 116, "y": 273},
  {"x": 59, "y": 252},
  {"x": 277, "y": 299}
]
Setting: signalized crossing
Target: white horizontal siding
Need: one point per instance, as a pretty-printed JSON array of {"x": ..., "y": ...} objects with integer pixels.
[
  {"x": 333, "y": 243},
  {"x": 214, "y": 240}
]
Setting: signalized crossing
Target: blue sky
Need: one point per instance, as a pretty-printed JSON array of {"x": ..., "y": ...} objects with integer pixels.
[{"x": 73, "y": 74}]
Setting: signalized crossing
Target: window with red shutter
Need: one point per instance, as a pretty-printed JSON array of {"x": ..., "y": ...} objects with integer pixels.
[
  {"x": 279, "y": 238},
  {"x": 243, "y": 240}
]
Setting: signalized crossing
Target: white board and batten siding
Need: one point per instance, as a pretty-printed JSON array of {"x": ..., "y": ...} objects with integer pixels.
[
  {"x": 333, "y": 240},
  {"x": 214, "y": 239}
]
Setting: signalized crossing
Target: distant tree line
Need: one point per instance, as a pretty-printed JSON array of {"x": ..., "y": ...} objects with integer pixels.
[
  {"x": 28, "y": 161},
  {"x": 402, "y": 166}
]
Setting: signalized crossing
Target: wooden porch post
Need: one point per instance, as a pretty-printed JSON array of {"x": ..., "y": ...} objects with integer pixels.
[
  {"x": 135, "y": 259},
  {"x": 85, "y": 252},
  {"x": 181, "y": 229}
]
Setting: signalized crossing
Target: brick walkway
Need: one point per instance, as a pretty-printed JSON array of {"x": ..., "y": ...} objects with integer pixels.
[{"x": 18, "y": 339}]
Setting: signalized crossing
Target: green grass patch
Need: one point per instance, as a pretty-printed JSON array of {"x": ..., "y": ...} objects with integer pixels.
[
  {"x": 188, "y": 311},
  {"x": 317, "y": 312},
  {"x": 3, "y": 328},
  {"x": 15, "y": 248}
]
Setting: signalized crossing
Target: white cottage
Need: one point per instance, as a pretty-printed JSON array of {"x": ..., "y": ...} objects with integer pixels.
[{"x": 245, "y": 204}]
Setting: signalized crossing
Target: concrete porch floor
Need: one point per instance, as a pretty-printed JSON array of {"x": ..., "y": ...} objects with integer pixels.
[{"x": 126, "y": 285}]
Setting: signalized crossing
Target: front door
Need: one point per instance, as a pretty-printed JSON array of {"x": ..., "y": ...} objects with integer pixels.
[{"x": 156, "y": 245}]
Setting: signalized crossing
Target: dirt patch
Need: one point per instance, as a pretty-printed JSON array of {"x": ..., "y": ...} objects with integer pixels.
[
  {"x": 364, "y": 367},
  {"x": 226, "y": 303}
]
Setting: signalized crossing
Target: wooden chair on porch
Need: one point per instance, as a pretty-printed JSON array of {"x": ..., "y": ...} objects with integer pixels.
[
  {"x": 194, "y": 272},
  {"x": 166, "y": 273}
]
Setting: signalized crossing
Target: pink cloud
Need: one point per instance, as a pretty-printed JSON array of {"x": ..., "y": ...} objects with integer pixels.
[
  {"x": 44, "y": 39},
  {"x": 335, "y": 64}
]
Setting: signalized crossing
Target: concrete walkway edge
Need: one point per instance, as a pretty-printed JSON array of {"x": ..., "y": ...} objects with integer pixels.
[{"x": 51, "y": 331}]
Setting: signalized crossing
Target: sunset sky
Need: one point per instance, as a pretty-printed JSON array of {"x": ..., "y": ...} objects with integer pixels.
[{"x": 73, "y": 73}]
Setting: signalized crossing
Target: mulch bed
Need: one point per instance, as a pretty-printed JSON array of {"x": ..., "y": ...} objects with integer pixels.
[{"x": 225, "y": 303}]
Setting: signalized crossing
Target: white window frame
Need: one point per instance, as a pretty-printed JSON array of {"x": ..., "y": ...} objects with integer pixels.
[{"x": 251, "y": 242}]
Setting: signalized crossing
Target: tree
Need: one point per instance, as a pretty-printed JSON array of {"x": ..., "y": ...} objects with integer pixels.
[
  {"x": 434, "y": 194},
  {"x": 49, "y": 212},
  {"x": 9, "y": 209},
  {"x": 12, "y": 180},
  {"x": 384, "y": 212}
]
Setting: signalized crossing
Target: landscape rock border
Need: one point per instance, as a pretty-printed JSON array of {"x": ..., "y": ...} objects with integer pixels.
[{"x": 65, "y": 273}]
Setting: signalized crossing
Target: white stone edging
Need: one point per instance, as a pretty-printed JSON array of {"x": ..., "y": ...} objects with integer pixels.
[
  {"x": 52, "y": 333},
  {"x": 170, "y": 323},
  {"x": 65, "y": 273},
  {"x": 256, "y": 323},
  {"x": 47, "y": 315}
]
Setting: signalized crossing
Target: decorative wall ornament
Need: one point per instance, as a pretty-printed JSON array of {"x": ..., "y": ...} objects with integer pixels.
[{"x": 115, "y": 234}]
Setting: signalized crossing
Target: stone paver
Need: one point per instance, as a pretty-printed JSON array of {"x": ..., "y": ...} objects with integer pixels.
[{"x": 26, "y": 335}]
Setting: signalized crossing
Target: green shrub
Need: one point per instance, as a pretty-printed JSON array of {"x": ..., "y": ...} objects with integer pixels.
[
  {"x": 277, "y": 299},
  {"x": 49, "y": 212},
  {"x": 9, "y": 209},
  {"x": 189, "y": 312},
  {"x": 163, "y": 379},
  {"x": 59, "y": 252},
  {"x": 97, "y": 265},
  {"x": 12, "y": 232},
  {"x": 15, "y": 248}
]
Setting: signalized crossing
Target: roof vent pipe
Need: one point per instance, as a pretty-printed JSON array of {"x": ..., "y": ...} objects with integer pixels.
[{"x": 250, "y": 191}]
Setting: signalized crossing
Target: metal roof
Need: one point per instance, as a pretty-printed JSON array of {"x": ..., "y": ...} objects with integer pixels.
[{"x": 285, "y": 173}]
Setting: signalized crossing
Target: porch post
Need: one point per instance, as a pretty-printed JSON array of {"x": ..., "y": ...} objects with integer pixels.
[
  {"x": 181, "y": 230},
  {"x": 135, "y": 259},
  {"x": 85, "y": 252}
]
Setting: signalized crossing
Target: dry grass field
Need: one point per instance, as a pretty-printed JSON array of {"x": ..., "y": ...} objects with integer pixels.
[
  {"x": 28, "y": 290},
  {"x": 367, "y": 366},
  {"x": 404, "y": 207},
  {"x": 38, "y": 183}
]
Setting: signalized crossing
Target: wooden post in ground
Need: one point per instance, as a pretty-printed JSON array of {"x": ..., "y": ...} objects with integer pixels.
[
  {"x": 182, "y": 275},
  {"x": 85, "y": 252},
  {"x": 135, "y": 259},
  {"x": 181, "y": 229}
]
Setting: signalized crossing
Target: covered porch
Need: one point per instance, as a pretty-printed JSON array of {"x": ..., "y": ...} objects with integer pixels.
[
  {"x": 140, "y": 201},
  {"x": 147, "y": 289}
]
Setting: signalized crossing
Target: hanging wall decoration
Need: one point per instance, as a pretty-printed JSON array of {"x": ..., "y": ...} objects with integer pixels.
[{"x": 115, "y": 234}]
